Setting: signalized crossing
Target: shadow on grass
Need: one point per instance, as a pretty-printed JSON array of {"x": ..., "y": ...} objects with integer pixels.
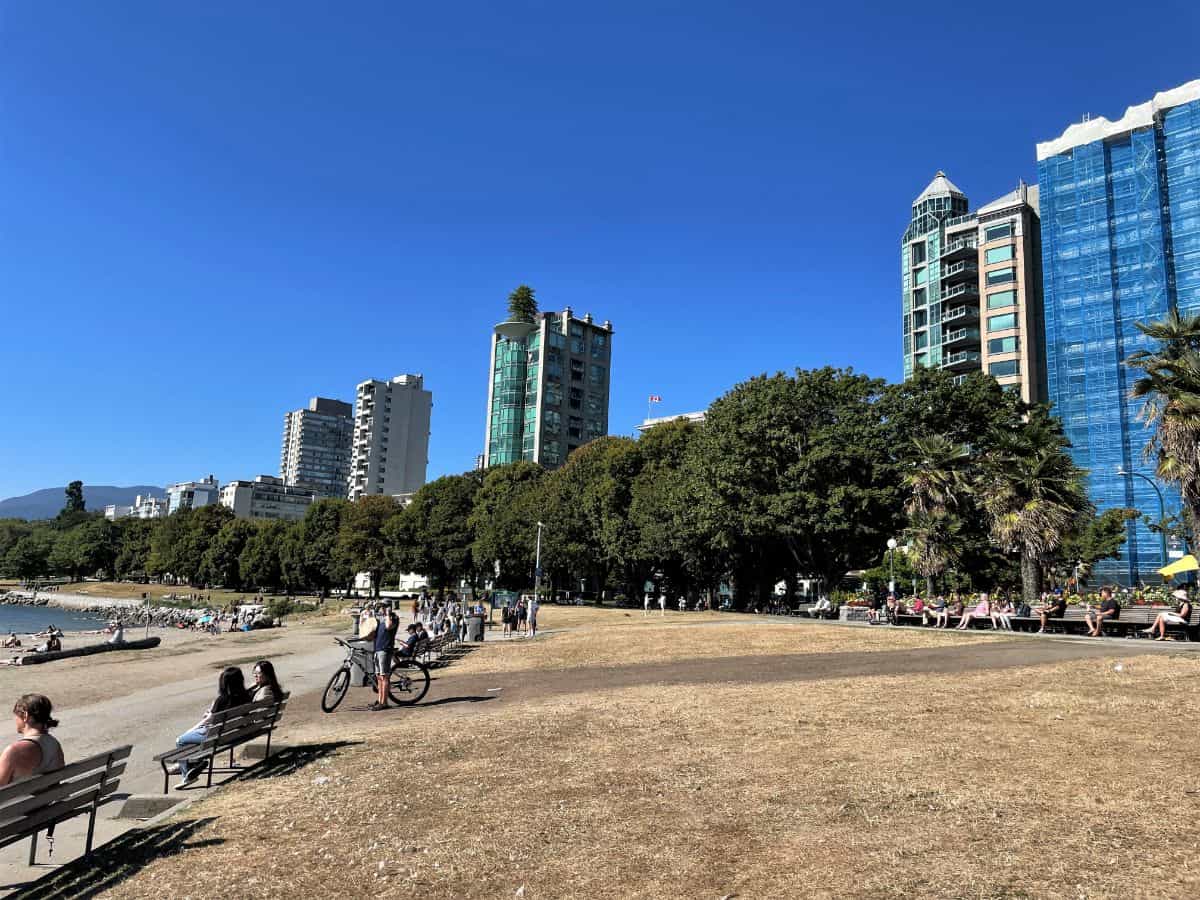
[
  {"x": 117, "y": 860},
  {"x": 292, "y": 759},
  {"x": 450, "y": 654},
  {"x": 446, "y": 700}
]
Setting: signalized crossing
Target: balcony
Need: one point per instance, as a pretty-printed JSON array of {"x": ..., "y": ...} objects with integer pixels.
[
  {"x": 963, "y": 360},
  {"x": 968, "y": 290},
  {"x": 960, "y": 248},
  {"x": 960, "y": 336},
  {"x": 965, "y": 270},
  {"x": 962, "y": 314}
]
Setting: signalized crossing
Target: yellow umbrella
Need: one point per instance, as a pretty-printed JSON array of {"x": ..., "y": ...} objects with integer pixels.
[{"x": 1187, "y": 564}]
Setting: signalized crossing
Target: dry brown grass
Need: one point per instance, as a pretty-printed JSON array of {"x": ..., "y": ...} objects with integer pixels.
[
  {"x": 574, "y": 636},
  {"x": 982, "y": 785}
]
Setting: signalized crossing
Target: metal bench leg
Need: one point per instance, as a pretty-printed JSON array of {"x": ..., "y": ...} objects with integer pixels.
[
  {"x": 33, "y": 848},
  {"x": 87, "y": 848},
  {"x": 270, "y": 731},
  {"x": 231, "y": 757}
]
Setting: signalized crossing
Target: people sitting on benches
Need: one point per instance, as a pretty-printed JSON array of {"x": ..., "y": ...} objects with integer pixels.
[
  {"x": 1109, "y": 611},
  {"x": 1002, "y": 613},
  {"x": 1183, "y": 612},
  {"x": 937, "y": 611},
  {"x": 822, "y": 605},
  {"x": 982, "y": 610},
  {"x": 231, "y": 692},
  {"x": 1053, "y": 607},
  {"x": 266, "y": 684},
  {"x": 36, "y": 751}
]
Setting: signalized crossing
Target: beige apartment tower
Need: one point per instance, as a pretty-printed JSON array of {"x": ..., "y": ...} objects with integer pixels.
[
  {"x": 971, "y": 282},
  {"x": 391, "y": 437}
]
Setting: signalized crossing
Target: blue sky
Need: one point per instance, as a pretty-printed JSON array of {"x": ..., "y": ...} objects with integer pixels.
[{"x": 211, "y": 212}]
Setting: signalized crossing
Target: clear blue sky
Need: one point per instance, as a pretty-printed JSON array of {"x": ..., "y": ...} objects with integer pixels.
[{"x": 211, "y": 212}]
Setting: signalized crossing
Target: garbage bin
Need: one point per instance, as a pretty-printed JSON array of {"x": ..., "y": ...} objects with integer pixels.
[{"x": 475, "y": 628}]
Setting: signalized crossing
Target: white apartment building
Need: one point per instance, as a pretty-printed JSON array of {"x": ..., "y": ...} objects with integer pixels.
[
  {"x": 144, "y": 507},
  {"x": 115, "y": 511},
  {"x": 317, "y": 447},
  {"x": 192, "y": 494},
  {"x": 266, "y": 497},
  {"x": 391, "y": 437}
]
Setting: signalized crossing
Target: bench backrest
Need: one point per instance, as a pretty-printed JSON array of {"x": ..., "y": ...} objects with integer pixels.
[
  {"x": 232, "y": 724},
  {"x": 36, "y": 802}
]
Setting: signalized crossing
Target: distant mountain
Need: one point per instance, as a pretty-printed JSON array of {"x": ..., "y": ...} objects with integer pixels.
[{"x": 46, "y": 503}]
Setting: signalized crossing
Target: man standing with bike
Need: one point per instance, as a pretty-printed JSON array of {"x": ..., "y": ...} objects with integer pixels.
[{"x": 387, "y": 623}]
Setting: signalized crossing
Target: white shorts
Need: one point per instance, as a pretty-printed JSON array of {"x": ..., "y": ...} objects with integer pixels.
[{"x": 1173, "y": 619}]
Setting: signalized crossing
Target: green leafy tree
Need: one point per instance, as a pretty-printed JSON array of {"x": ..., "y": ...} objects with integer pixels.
[
  {"x": 522, "y": 305},
  {"x": 1093, "y": 538},
  {"x": 259, "y": 563},
  {"x": 362, "y": 541},
  {"x": 434, "y": 531},
  {"x": 75, "y": 502},
  {"x": 221, "y": 561},
  {"x": 937, "y": 480},
  {"x": 323, "y": 565},
  {"x": 504, "y": 521},
  {"x": 133, "y": 542},
  {"x": 29, "y": 557}
]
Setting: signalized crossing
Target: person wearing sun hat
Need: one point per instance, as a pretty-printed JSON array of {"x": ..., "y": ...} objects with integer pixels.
[{"x": 1182, "y": 613}]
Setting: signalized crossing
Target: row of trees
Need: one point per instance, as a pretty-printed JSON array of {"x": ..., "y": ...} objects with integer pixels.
[{"x": 803, "y": 474}]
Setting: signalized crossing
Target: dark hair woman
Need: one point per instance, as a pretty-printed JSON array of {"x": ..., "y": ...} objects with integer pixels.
[
  {"x": 36, "y": 751},
  {"x": 231, "y": 692},
  {"x": 266, "y": 684}
]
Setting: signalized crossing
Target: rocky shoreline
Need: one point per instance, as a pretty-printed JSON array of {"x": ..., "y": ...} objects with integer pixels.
[{"x": 127, "y": 612}]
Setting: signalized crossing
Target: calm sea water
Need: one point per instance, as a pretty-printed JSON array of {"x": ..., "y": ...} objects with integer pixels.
[{"x": 31, "y": 619}]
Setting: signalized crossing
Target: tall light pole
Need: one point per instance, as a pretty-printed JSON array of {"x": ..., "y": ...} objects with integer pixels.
[
  {"x": 892, "y": 544},
  {"x": 537, "y": 565},
  {"x": 1162, "y": 507}
]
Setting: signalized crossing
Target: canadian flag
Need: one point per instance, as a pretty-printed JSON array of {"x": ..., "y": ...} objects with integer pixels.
[{"x": 655, "y": 398}]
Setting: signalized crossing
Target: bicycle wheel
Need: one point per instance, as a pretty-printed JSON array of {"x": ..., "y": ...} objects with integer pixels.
[
  {"x": 335, "y": 691},
  {"x": 409, "y": 682}
]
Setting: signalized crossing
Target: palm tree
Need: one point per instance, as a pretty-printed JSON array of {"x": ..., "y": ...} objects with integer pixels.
[
  {"x": 936, "y": 483},
  {"x": 1170, "y": 389},
  {"x": 1032, "y": 493}
]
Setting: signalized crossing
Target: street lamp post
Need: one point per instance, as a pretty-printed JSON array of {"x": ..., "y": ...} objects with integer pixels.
[
  {"x": 1162, "y": 507},
  {"x": 892, "y": 544},
  {"x": 537, "y": 564}
]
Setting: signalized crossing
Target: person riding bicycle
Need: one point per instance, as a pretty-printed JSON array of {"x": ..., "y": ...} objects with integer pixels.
[{"x": 383, "y": 640}]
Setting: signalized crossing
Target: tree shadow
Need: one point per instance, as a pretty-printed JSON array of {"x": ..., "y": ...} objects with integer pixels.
[
  {"x": 117, "y": 860},
  {"x": 444, "y": 700}
]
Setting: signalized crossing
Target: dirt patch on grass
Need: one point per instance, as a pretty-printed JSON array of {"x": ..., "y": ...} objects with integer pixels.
[{"x": 977, "y": 785}]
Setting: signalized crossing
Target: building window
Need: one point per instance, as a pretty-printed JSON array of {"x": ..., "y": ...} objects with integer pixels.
[
  {"x": 577, "y": 346},
  {"x": 556, "y": 339},
  {"x": 1004, "y": 367},
  {"x": 576, "y": 398},
  {"x": 995, "y": 232},
  {"x": 921, "y": 276},
  {"x": 553, "y": 394},
  {"x": 1001, "y": 299},
  {"x": 918, "y": 253},
  {"x": 998, "y": 254},
  {"x": 919, "y": 297},
  {"x": 597, "y": 375},
  {"x": 577, "y": 370},
  {"x": 599, "y": 343},
  {"x": 1002, "y": 323},
  {"x": 574, "y": 427},
  {"x": 1003, "y": 345},
  {"x": 1002, "y": 276}
]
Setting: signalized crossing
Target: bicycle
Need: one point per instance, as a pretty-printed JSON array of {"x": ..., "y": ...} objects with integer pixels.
[{"x": 407, "y": 684}]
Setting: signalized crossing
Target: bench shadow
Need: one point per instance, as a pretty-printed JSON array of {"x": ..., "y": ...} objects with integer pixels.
[
  {"x": 117, "y": 860},
  {"x": 442, "y": 701},
  {"x": 291, "y": 759},
  {"x": 450, "y": 654}
]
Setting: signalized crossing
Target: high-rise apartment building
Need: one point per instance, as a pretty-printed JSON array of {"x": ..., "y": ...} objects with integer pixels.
[
  {"x": 972, "y": 287},
  {"x": 317, "y": 447},
  {"x": 391, "y": 437},
  {"x": 548, "y": 389},
  {"x": 1120, "y": 208}
]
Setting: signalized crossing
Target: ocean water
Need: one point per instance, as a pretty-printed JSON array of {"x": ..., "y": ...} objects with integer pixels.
[{"x": 30, "y": 619}]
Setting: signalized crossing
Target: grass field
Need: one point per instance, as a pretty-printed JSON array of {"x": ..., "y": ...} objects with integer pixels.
[{"x": 1066, "y": 780}]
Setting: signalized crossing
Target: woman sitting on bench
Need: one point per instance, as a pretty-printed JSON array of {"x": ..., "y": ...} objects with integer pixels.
[
  {"x": 231, "y": 692},
  {"x": 1180, "y": 617},
  {"x": 36, "y": 751},
  {"x": 983, "y": 610},
  {"x": 1052, "y": 608}
]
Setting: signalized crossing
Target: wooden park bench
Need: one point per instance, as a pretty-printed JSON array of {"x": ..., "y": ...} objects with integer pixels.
[
  {"x": 226, "y": 730},
  {"x": 36, "y": 804}
]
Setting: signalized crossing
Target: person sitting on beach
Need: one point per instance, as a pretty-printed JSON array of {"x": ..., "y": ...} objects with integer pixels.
[
  {"x": 116, "y": 633},
  {"x": 231, "y": 692},
  {"x": 36, "y": 751},
  {"x": 12, "y": 640},
  {"x": 982, "y": 610},
  {"x": 266, "y": 684},
  {"x": 1109, "y": 610},
  {"x": 1054, "y": 607},
  {"x": 1180, "y": 617}
]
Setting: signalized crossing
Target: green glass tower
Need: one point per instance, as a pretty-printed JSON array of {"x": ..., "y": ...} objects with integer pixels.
[{"x": 548, "y": 389}]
